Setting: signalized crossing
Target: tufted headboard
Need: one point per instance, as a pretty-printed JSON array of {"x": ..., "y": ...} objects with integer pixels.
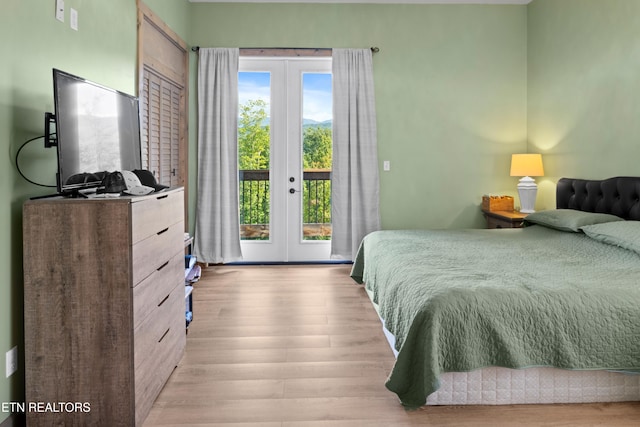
[{"x": 618, "y": 196}]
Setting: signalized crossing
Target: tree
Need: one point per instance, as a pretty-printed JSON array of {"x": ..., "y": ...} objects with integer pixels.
[
  {"x": 253, "y": 136},
  {"x": 317, "y": 148},
  {"x": 253, "y": 155},
  {"x": 317, "y": 154}
]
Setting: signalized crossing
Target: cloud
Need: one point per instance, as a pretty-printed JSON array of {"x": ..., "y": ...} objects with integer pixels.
[
  {"x": 248, "y": 91},
  {"x": 317, "y": 99},
  {"x": 317, "y": 105}
]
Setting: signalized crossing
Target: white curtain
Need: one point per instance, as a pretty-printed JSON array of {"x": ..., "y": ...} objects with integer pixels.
[
  {"x": 354, "y": 179},
  {"x": 217, "y": 231}
]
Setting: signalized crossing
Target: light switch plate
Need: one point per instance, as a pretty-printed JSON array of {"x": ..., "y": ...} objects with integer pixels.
[
  {"x": 60, "y": 10},
  {"x": 73, "y": 18}
]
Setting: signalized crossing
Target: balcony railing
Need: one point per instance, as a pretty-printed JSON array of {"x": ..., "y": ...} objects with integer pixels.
[{"x": 255, "y": 204}]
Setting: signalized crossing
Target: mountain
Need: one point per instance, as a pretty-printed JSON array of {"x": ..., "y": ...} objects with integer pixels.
[{"x": 307, "y": 123}]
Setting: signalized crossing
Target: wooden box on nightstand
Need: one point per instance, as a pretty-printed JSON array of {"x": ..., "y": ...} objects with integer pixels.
[{"x": 504, "y": 219}]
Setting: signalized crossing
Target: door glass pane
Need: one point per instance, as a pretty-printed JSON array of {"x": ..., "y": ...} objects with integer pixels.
[
  {"x": 254, "y": 145},
  {"x": 317, "y": 116}
]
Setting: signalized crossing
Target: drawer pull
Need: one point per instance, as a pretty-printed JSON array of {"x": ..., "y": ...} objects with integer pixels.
[
  {"x": 162, "y": 231},
  {"x": 162, "y": 197},
  {"x": 162, "y": 302},
  {"x": 162, "y": 266},
  {"x": 164, "y": 335}
]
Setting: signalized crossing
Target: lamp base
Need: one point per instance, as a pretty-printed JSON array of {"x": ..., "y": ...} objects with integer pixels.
[{"x": 527, "y": 190}]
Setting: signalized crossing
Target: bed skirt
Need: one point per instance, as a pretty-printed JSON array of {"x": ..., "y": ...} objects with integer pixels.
[{"x": 541, "y": 385}]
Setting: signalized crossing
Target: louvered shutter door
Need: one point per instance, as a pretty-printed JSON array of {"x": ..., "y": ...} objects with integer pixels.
[
  {"x": 144, "y": 121},
  {"x": 161, "y": 128},
  {"x": 176, "y": 94}
]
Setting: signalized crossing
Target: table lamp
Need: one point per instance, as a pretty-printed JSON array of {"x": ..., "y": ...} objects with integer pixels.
[{"x": 526, "y": 166}]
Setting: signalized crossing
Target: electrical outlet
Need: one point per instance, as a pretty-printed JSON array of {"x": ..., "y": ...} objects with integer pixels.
[
  {"x": 386, "y": 165},
  {"x": 11, "y": 361},
  {"x": 60, "y": 10}
]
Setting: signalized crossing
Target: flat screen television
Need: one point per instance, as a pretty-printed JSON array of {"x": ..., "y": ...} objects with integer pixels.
[{"x": 97, "y": 131}]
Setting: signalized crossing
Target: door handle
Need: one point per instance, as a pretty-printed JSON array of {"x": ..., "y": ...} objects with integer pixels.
[{"x": 292, "y": 190}]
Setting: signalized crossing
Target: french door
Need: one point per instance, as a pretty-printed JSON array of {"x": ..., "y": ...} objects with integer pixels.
[{"x": 284, "y": 139}]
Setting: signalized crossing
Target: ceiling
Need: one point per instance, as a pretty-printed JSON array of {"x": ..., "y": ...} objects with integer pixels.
[{"x": 372, "y": 1}]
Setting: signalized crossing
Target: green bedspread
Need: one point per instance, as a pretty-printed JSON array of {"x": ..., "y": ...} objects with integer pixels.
[{"x": 459, "y": 300}]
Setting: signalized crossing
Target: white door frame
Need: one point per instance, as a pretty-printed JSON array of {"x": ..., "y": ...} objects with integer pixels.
[{"x": 286, "y": 241}]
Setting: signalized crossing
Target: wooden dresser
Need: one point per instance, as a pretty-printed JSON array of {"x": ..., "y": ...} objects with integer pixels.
[{"x": 104, "y": 307}]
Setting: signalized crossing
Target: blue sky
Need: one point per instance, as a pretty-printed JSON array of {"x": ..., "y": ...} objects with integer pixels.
[{"x": 317, "y": 103}]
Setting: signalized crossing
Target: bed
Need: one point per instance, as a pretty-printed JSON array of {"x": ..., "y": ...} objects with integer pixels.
[{"x": 549, "y": 313}]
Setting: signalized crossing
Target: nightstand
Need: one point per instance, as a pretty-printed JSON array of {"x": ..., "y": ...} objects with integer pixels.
[{"x": 504, "y": 219}]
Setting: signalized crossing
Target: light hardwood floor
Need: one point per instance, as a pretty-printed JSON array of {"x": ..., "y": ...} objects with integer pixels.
[{"x": 285, "y": 346}]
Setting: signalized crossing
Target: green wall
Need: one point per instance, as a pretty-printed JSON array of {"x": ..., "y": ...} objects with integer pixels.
[
  {"x": 34, "y": 42},
  {"x": 450, "y": 92},
  {"x": 459, "y": 88},
  {"x": 583, "y": 86}
]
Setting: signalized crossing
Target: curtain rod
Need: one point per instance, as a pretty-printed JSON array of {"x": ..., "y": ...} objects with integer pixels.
[{"x": 373, "y": 49}]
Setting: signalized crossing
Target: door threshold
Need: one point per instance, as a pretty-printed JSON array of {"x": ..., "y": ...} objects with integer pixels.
[{"x": 327, "y": 262}]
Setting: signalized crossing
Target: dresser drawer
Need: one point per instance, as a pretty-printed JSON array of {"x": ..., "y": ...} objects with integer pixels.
[
  {"x": 497, "y": 223},
  {"x": 152, "y": 214},
  {"x": 163, "y": 349},
  {"x": 493, "y": 222},
  {"x": 153, "y": 330},
  {"x": 151, "y": 253},
  {"x": 151, "y": 292},
  {"x": 149, "y": 382}
]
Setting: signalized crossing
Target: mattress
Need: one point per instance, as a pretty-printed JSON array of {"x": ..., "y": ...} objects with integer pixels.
[{"x": 504, "y": 386}]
